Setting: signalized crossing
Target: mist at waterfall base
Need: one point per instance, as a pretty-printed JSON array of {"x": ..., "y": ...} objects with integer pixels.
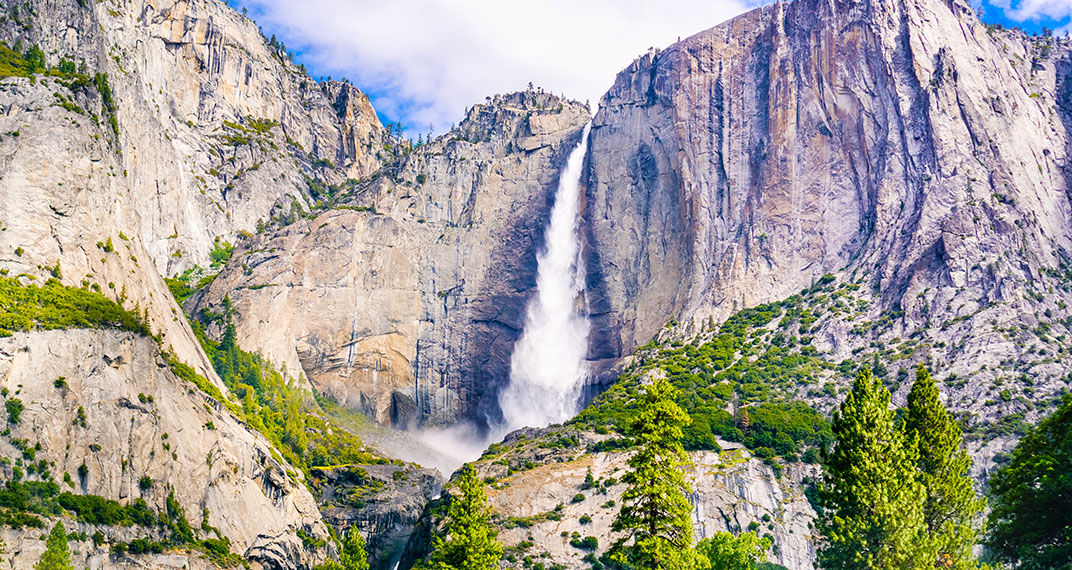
[{"x": 547, "y": 367}]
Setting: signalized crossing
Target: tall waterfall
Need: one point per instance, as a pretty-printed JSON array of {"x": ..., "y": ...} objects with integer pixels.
[{"x": 547, "y": 368}]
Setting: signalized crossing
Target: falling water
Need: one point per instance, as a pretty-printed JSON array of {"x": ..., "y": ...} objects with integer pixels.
[{"x": 547, "y": 368}]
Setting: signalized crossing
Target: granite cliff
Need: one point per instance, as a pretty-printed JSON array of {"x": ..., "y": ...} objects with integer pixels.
[
  {"x": 892, "y": 174},
  {"x": 905, "y": 142},
  {"x": 405, "y": 300}
]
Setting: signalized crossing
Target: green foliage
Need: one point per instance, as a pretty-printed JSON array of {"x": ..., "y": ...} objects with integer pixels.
[
  {"x": 353, "y": 555},
  {"x": 951, "y": 509},
  {"x": 145, "y": 483},
  {"x": 57, "y": 555},
  {"x": 92, "y": 509},
  {"x": 100, "y": 80},
  {"x": 734, "y": 363},
  {"x": 1031, "y": 498},
  {"x": 871, "y": 516},
  {"x": 221, "y": 252},
  {"x": 785, "y": 427},
  {"x": 655, "y": 509},
  {"x": 723, "y": 551},
  {"x": 468, "y": 541},
  {"x": 57, "y": 306},
  {"x": 181, "y": 531},
  {"x": 14, "y": 64},
  {"x": 14, "y": 408}
]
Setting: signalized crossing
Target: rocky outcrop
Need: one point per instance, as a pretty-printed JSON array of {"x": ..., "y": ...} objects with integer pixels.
[
  {"x": 107, "y": 401},
  {"x": 731, "y": 491},
  {"x": 383, "y": 501},
  {"x": 182, "y": 125},
  {"x": 904, "y": 141},
  {"x": 544, "y": 508},
  {"x": 405, "y": 302}
]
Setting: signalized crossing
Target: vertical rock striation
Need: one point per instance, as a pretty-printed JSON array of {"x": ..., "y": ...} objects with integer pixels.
[
  {"x": 406, "y": 301},
  {"x": 901, "y": 140}
]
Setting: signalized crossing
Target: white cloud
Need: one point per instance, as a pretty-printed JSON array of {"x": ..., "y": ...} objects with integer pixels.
[
  {"x": 1025, "y": 10},
  {"x": 425, "y": 61}
]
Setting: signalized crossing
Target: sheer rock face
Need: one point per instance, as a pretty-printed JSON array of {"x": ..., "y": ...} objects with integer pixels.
[
  {"x": 385, "y": 501},
  {"x": 898, "y": 140},
  {"x": 180, "y": 71},
  {"x": 121, "y": 435},
  {"x": 406, "y": 302},
  {"x": 214, "y": 130}
]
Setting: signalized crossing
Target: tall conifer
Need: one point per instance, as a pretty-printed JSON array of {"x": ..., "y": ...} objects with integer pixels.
[
  {"x": 353, "y": 555},
  {"x": 951, "y": 509},
  {"x": 57, "y": 555},
  {"x": 655, "y": 509},
  {"x": 871, "y": 513},
  {"x": 1031, "y": 524},
  {"x": 469, "y": 541}
]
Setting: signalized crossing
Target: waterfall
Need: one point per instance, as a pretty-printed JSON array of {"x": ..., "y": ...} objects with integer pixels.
[{"x": 547, "y": 367}]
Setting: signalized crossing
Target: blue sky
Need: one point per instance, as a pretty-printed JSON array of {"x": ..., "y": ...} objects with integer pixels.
[
  {"x": 423, "y": 62},
  {"x": 1029, "y": 15}
]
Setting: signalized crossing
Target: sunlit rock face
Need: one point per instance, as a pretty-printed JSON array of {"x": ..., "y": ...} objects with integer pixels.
[
  {"x": 406, "y": 301},
  {"x": 901, "y": 141},
  {"x": 124, "y": 415}
]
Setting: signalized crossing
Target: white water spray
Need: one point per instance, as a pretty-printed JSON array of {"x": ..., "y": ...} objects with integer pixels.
[{"x": 547, "y": 368}]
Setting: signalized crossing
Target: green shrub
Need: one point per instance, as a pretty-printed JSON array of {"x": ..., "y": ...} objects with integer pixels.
[
  {"x": 14, "y": 408},
  {"x": 586, "y": 543},
  {"x": 92, "y": 509},
  {"x": 57, "y": 306}
]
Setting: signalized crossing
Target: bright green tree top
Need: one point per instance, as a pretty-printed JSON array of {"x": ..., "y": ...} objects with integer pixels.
[
  {"x": 655, "y": 509},
  {"x": 470, "y": 542},
  {"x": 951, "y": 509},
  {"x": 871, "y": 517},
  {"x": 723, "y": 551},
  {"x": 57, "y": 555},
  {"x": 353, "y": 555}
]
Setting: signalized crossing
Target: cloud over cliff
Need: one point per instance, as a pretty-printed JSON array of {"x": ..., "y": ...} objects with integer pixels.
[{"x": 424, "y": 61}]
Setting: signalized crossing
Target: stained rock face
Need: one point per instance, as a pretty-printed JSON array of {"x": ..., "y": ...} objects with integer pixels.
[
  {"x": 405, "y": 303},
  {"x": 902, "y": 140}
]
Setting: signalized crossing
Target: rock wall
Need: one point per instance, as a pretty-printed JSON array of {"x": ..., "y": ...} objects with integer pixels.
[
  {"x": 904, "y": 140},
  {"x": 102, "y": 417},
  {"x": 543, "y": 508},
  {"x": 181, "y": 71},
  {"x": 215, "y": 130},
  {"x": 406, "y": 301}
]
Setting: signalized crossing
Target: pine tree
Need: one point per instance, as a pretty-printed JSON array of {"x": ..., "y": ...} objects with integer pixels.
[
  {"x": 470, "y": 541},
  {"x": 1031, "y": 520},
  {"x": 353, "y": 555},
  {"x": 655, "y": 509},
  {"x": 951, "y": 509},
  {"x": 57, "y": 555},
  {"x": 871, "y": 513}
]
